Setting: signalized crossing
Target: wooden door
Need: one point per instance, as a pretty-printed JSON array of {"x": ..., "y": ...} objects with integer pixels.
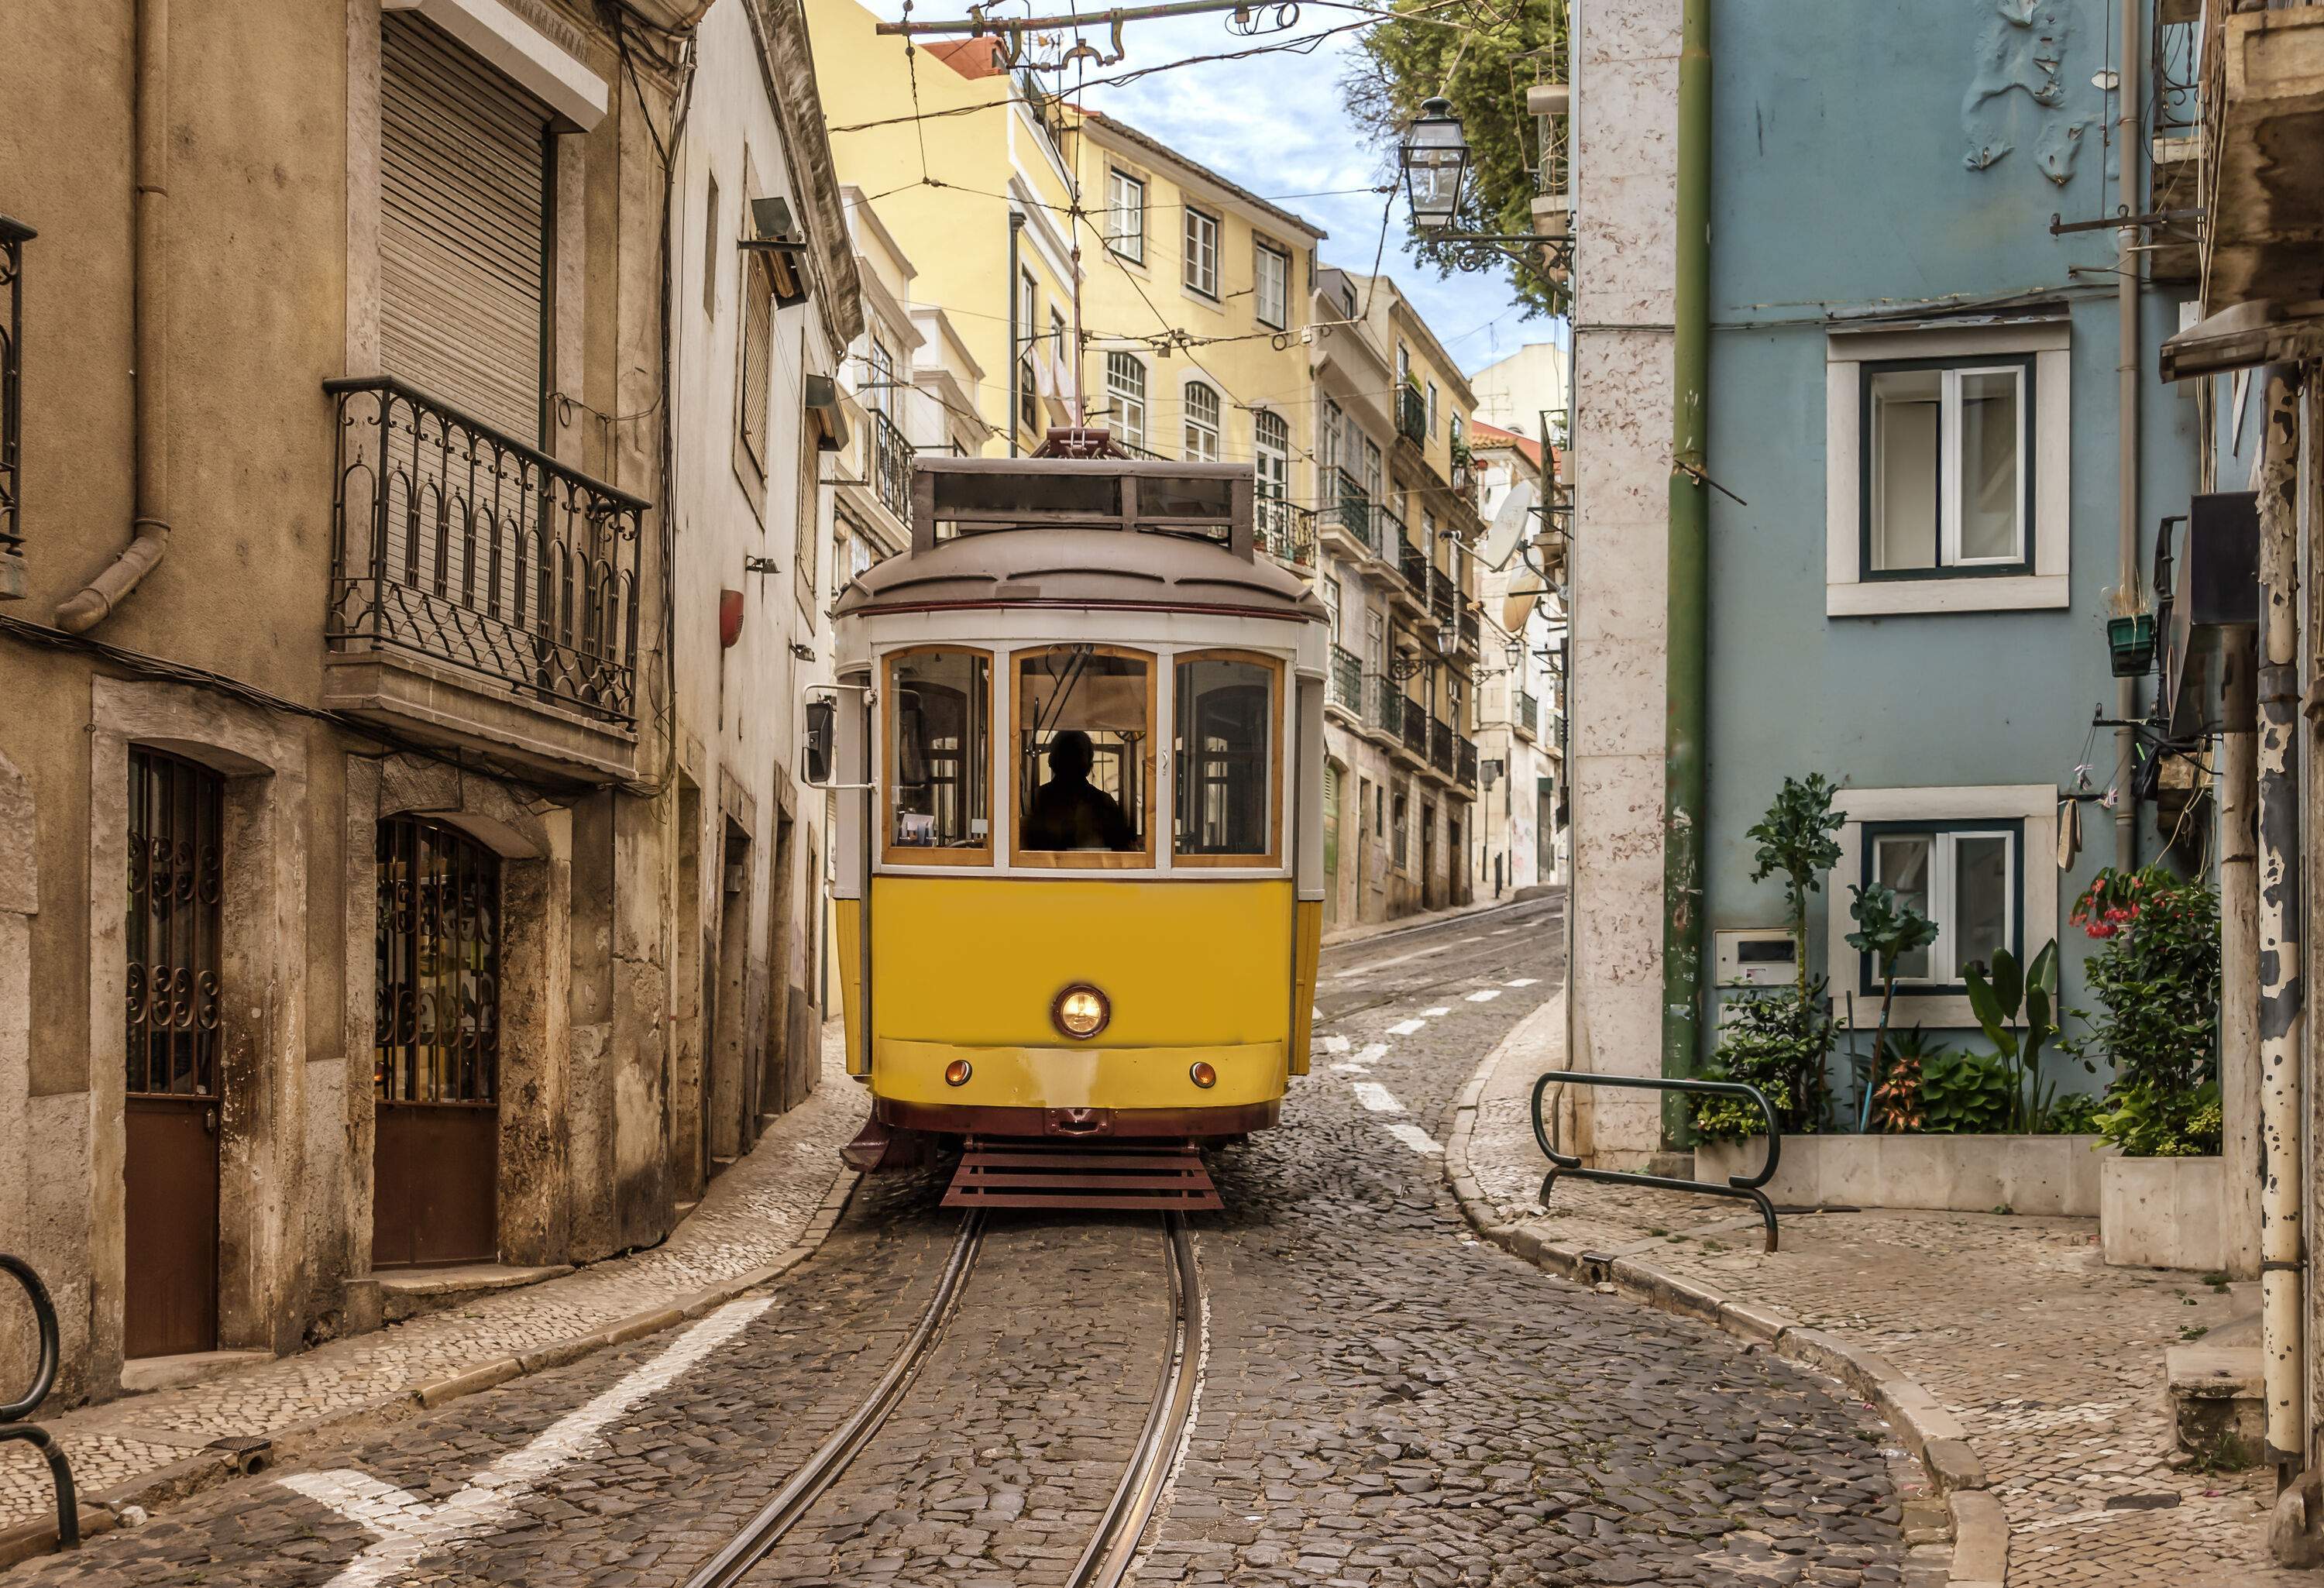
[
  {"x": 436, "y": 1067},
  {"x": 170, "y": 1116}
]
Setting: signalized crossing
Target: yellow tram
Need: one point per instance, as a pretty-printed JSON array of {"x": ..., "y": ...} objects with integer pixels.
[{"x": 1076, "y": 743}]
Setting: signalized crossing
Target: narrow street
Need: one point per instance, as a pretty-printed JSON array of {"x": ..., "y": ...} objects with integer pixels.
[{"x": 1381, "y": 1397}]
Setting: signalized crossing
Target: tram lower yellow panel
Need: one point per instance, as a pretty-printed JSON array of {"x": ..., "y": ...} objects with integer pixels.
[
  {"x": 1190, "y": 969},
  {"x": 1303, "y": 1006}
]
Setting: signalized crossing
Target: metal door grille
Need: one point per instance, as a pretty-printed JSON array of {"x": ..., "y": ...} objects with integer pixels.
[
  {"x": 176, "y": 880},
  {"x": 439, "y": 965}
]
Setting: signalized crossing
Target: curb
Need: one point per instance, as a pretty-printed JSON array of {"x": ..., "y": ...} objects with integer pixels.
[
  {"x": 1935, "y": 1437},
  {"x": 232, "y": 1458}
]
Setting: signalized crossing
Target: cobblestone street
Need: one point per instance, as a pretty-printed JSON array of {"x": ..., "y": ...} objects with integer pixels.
[{"x": 1383, "y": 1398}]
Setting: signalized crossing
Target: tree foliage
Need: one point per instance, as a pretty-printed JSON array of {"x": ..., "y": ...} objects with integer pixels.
[{"x": 1482, "y": 58}]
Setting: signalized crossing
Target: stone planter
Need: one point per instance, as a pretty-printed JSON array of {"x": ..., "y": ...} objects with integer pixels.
[
  {"x": 2163, "y": 1213},
  {"x": 2056, "y": 1174}
]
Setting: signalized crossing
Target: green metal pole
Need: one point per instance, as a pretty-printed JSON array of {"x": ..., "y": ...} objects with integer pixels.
[{"x": 1686, "y": 631}]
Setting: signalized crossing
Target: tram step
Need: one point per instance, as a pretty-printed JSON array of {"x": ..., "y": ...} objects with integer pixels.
[{"x": 1000, "y": 1172}]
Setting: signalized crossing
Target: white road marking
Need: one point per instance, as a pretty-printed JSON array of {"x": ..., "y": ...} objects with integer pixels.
[
  {"x": 1484, "y": 995},
  {"x": 1352, "y": 1069},
  {"x": 1335, "y": 1044},
  {"x": 1381, "y": 965},
  {"x": 1414, "y": 1137},
  {"x": 1433, "y": 1014},
  {"x": 1404, "y": 1027},
  {"x": 1377, "y": 1097},
  {"x": 1371, "y": 1053},
  {"x": 410, "y": 1529},
  {"x": 1524, "y": 981},
  {"x": 1500, "y": 931}
]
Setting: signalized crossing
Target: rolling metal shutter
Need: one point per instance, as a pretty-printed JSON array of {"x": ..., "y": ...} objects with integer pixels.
[{"x": 463, "y": 225}]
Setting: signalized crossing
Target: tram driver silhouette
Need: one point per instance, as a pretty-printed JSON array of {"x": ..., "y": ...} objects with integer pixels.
[{"x": 1069, "y": 811}]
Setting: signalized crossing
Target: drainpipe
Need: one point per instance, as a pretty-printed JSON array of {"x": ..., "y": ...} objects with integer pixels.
[
  {"x": 2131, "y": 166},
  {"x": 1008, "y": 381},
  {"x": 2280, "y": 983},
  {"x": 1687, "y": 624},
  {"x": 150, "y": 526}
]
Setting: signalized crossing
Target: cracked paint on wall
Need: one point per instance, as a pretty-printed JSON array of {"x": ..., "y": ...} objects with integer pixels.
[{"x": 2017, "y": 84}]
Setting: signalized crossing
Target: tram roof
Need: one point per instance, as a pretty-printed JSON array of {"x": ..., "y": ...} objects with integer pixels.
[{"x": 1107, "y": 532}]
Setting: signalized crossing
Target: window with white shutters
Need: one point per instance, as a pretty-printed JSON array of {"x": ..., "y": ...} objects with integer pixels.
[{"x": 464, "y": 223}]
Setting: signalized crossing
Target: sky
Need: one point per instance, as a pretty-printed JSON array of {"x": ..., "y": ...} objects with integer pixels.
[{"x": 1275, "y": 124}]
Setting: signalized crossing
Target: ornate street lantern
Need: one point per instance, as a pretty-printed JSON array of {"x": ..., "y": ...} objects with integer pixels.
[{"x": 1435, "y": 159}]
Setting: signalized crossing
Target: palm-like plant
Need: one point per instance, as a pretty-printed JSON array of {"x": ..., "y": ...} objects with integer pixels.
[{"x": 1887, "y": 929}]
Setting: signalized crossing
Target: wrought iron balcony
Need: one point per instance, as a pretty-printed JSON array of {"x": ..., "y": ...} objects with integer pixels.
[
  {"x": 1415, "y": 729},
  {"x": 1347, "y": 681},
  {"x": 1440, "y": 746},
  {"x": 1468, "y": 774},
  {"x": 1470, "y": 629},
  {"x": 892, "y": 465},
  {"x": 14, "y": 235},
  {"x": 1527, "y": 714},
  {"x": 456, "y": 543},
  {"x": 1285, "y": 530},
  {"x": 1350, "y": 511},
  {"x": 1412, "y": 561},
  {"x": 1387, "y": 712},
  {"x": 1412, "y": 415},
  {"x": 1444, "y": 597}
]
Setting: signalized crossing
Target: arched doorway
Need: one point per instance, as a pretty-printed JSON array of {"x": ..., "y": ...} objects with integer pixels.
[{"x": 436, "y": 1062}]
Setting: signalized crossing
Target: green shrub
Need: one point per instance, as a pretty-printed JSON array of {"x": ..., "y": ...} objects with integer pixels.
[
  {"x": 1777, "y": 1043},
  {"x": 2074, "y": 1114},
  {"x": 1966, "y": 1093},
  {"x": 2157, "y": 976}
]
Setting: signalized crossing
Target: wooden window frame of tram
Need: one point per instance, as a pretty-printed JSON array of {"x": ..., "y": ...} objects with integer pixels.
[
  {"x": 1077, "y": 860},
  {"x": 892, "y": 854},
  {"x": 1275, "y": 760}
]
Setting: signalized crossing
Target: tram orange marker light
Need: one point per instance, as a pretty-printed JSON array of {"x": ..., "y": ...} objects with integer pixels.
[
  {"x": 957, "y": 1072},
  {"x": 1204, "y": 1075},
  {"x": 1080, "y": 1012}
]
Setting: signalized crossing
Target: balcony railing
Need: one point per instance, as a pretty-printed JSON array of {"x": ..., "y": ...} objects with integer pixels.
[
  {"x": 1444, "y": 597},
  {"x": 1528, "y": 713},
  {"x": 1415, "y": 729},
  {"x": 14, "y": 235},
  {"x": 1472, "y": 630},
  {"x": 1412, "y": 415},
  {"x": 1412, "y": 562},
  {"x": 1440, "y": 747},
  {"x": 1347, "y": 681},
  {"x": 2174, "y": 78},
  {"x": 1285, "y": 531},
  {"x": 1349, "y": 508},
  {"x": 1388, "y": 706},
  {"x": 1468, "y": 774},
  {"x": 892, "y": 467},
  {"x": 452, "y": 541}
]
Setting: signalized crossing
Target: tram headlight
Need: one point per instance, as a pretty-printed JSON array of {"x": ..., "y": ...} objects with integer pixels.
[
  {"x": 957, "y": 1072},
  {"x": 1080, "y": 1012},
  {"x": 1203, "y": 1075}
]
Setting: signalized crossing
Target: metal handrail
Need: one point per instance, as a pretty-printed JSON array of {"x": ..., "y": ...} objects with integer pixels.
[
  {"x": 1742, "y": 1187},
  {"x": 44, "y": 1378}
]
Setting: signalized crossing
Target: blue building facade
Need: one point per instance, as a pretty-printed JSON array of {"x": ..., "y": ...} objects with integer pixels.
[{"x": 1915, "y": 418}]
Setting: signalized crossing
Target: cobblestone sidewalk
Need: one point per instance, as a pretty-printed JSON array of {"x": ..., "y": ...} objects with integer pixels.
[
  {"x": 2051, "y": 1362},
  {"x": 754, "y": 1213}
]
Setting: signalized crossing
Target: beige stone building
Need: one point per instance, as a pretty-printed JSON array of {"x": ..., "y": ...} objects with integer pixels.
[{"x": 400, "y": 872}]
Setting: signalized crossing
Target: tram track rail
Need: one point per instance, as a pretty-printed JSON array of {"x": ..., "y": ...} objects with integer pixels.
[{"x": 1113, "y": 1547}]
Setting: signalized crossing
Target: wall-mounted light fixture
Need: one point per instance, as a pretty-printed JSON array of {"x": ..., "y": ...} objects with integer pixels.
[{"x": 783, "y": 241}]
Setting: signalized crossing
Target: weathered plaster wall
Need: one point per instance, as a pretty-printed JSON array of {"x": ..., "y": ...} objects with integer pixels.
[{"x": 1626, "y": 82}]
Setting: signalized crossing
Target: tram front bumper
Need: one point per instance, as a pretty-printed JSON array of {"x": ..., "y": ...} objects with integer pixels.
[{"x": 1093, "y": 1079}]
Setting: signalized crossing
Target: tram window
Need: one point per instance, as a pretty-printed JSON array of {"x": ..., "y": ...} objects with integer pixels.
[
  {"x": 1085, "y": 755},
  {"x": 1227, "y": 734},
  {"x": 939, "y": 707}
]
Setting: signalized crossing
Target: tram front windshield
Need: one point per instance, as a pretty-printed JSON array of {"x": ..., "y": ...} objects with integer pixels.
[{"x": 1083, "y": 737}]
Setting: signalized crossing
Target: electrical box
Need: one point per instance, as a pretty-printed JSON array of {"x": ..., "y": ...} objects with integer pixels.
[{"x": 1761, "y": 957}]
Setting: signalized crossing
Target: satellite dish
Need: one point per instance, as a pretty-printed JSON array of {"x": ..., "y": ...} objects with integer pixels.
[{"x": 1509, "y": 526}]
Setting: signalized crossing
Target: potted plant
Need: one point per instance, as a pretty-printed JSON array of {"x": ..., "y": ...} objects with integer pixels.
[
  {"x": 1997, "y": 1003},
  {"x": 1887, "y": 929},
  {"x": 2130, "y": 633}
]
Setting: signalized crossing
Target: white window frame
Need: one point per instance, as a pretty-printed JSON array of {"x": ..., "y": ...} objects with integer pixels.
[
  {"x": 1271, "y": 456},
  {"x": 2035, "y": 805},
  {"x": 1128, "y": 406},
  {"x": 1950, "y": 484},
  {"x": 1944, "y": 881},
  {"x": 1125, "y": 214},
  {"x": 1200, "y": 274},
  {"x": 1263, "y": 255},
  {"x": 1850, "y": 589},
  {"x": 1198, "y": 441}
]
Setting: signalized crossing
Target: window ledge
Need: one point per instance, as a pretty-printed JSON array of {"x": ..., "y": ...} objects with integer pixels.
[{"x": 2005, "y": 592}]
